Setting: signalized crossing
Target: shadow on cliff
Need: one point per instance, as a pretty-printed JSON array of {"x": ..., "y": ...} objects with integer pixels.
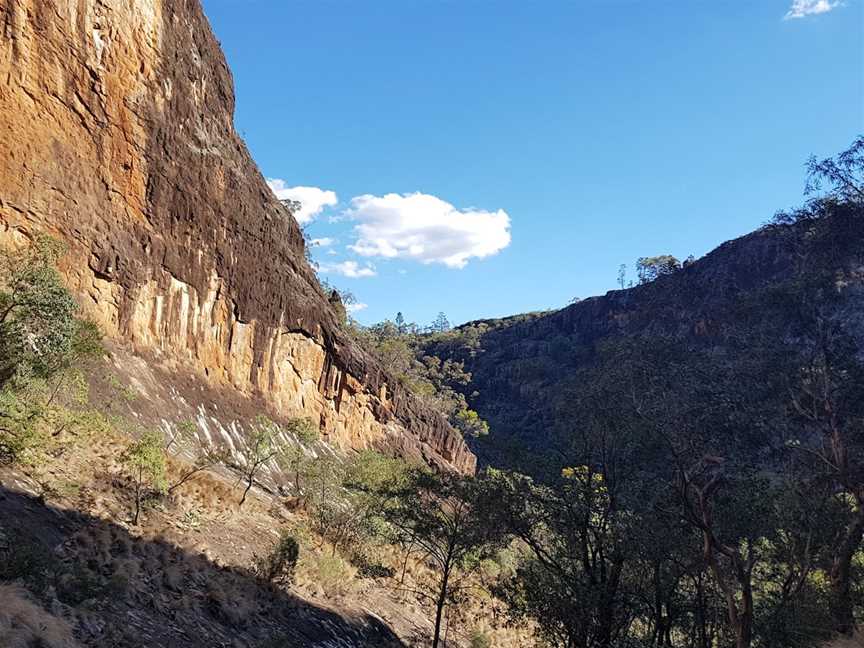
[{"x": 121, "y": 591}]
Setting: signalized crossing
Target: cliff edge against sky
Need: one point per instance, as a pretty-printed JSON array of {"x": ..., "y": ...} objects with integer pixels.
[{"x": 118, "y": 139}]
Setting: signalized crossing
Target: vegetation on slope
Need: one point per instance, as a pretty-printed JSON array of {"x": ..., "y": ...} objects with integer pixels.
[
  {"x": 440, "y": 384},
  {"x": 42, "y": 343},
  {"x": 692, "y": 490},
  {"x": 709, "y": 490},
  {"x": 125, "y": 507},
  {"x": 695, "y": 491}
]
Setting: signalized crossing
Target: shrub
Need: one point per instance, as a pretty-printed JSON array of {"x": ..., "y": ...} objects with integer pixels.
[
  {"x": 145, "y": 460},
  {"x": 331, "y": 573},
  {"x": 372, "y": 472},
  {"x": 259, "y": 448},
  {"x": 79, "y": 585},
  {"x": 37, "y": 313},
  {"x": 41, "y": 343},
  {"x": 470, "y": 424},
  {"x": 280, "y": 563},
  {"x": 372, "y": 569},
  {"x": 294, "y": 458},
  {"x": 231, "y": 602}
]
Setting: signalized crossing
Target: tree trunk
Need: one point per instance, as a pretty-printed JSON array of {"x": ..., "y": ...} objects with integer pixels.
[
  {"x": 841, "y": 574},
  {"x": 439, "y": 607},
  {"x": 744, "y": 629},
  {"x": 606, "y": 611},
  {"x": 405, "y": 562},
  {"x": 740, "y": 619},
  {"x": 701, "y": 615},
  {"x": 138, "y": 496},
  {"x": 246, "y": 492},
  {"x": 657, "y": 633}
]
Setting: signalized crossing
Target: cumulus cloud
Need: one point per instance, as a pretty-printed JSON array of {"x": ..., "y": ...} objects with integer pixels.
[
  {"x": 425, "y": 228},
  {"x": 350, "y": 269},
  {"x": 353, "y": 308},
  {"x": 804, "y": 8},
  {"x": 312, "y": 199},
  {"x": 322, "y": 242}
]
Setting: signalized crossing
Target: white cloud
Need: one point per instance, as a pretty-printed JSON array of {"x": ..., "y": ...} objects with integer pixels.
[
  {"x": 350, "y": 269},
  {"x": 425, "y": 228},
  {"x": 312, "y": 199},
  {"x": 804, "y": 8},
  {"x": 322, "y": 242},
  {"x": 353, "y": 308}
]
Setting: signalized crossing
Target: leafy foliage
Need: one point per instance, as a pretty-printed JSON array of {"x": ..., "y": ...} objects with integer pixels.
[
  {"x": 145, "y": 459},
  {"x": 440, "y": 384},
  {"x": 843, "y": 174},
  {"x": 42, "y": 345},
  {"x": 703, "y": 491},
  {"x": 278, "y": 566},
  {"x": 260, "y": 447},
  {"x": 436, "y": 515},
  {"x": 294, "y": 457},
  {"x": 650, "y": 268}
]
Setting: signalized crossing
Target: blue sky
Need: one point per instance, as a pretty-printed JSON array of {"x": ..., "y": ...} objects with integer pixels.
[{"x": 549, "y": 142}]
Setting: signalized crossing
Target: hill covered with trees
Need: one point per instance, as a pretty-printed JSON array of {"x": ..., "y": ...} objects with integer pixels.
[
  {"x": 688, "y": 454},
  {"x": 198, "y": 448},
  {"x": 680, "y": 462}
]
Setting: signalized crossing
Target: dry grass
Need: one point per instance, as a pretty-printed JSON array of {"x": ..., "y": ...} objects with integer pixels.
[
  {"x": 479, "y": 613},
  {"x": 204, "y": 489},
  {"x": 191, "y": 556},
  {"x": 325, "y": 574},
  {"x": 24, "y": 624}
]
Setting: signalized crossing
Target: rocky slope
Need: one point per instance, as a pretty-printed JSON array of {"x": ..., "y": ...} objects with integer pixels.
[
  {"x": 118, "y": 138},
  {"x": 525, "y": 367}
]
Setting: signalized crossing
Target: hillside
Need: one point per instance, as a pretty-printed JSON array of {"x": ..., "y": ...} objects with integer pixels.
[
  {"x": 118, "y": 133},
  {"x": 525, "y": 369},
  {"x": 199, "y": 448}
]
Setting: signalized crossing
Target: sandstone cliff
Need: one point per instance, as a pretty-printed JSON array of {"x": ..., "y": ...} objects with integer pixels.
[
  {"x": 526, "y": 368},
  {"x": 117, "y": 136}
]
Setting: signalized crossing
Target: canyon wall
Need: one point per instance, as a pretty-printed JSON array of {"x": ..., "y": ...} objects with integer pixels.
[
  {"x": 527, "y": 369},
  {"x": 116, "y": 135}
]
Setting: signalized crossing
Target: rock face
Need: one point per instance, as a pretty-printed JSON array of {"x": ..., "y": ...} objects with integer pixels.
[
  {"x": 525, "y": 368},
  {"x": 116, "y": 123}
]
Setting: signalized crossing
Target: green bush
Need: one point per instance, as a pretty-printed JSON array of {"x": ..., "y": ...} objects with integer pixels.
[
  {"x": 279, "y": 565},
  {"x": 145, "y": 461},
  {"x": 369, "y": 566},
  {"x": 41, "y": 343}
]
